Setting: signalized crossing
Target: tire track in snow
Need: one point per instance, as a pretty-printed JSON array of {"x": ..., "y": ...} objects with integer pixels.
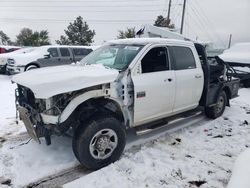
[
  {"x": 59, "y": 179},
  {"x": 133, "y": 145}
]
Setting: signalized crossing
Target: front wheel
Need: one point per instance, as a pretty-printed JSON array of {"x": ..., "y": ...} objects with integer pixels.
[
  {"x": 99, "y": 142},
  {"x": 218, "y": 109},
  {"x": 30, "y": 67}
]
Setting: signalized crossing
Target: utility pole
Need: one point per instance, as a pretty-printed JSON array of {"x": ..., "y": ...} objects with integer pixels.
[
  {"x": 169, "y": 8},
  {"x": 183, "y": 15},
  {"x": 230, "y": 41}
]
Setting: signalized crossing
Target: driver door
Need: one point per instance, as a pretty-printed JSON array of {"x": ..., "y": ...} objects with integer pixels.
[
  {"x": 154, "y": 87},
  {"x": 50, "y": 59}
]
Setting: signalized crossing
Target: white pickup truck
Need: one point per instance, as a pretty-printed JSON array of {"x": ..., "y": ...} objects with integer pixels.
[{"x": 129, "y": 83}]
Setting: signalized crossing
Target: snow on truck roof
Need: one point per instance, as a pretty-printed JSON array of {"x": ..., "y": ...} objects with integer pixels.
[{"x": 144, "y": 41}]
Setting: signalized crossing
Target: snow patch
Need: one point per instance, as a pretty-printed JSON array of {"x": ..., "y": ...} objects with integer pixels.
[{"x": 241, "y": 171}]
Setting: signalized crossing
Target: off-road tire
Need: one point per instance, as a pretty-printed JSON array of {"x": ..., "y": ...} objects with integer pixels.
[
  {"x": 84, "y": 135},
  {"x": 214, "y": 111}
]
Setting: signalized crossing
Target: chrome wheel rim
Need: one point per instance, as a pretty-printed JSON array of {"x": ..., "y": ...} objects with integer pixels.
[
  {"x": 103, "y": 144},
  {"x": 220, "y": 104}
]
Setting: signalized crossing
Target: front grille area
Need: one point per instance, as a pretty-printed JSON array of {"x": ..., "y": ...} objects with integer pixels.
[{"x": 25, "y": 96}]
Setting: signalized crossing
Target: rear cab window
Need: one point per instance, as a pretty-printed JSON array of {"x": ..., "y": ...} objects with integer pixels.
[
  {"x": 183, "y": 58},
  {"x": 81, "y": 51}
]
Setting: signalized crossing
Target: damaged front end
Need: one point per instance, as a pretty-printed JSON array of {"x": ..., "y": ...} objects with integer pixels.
[
  {"x": 43, "y": 117},
  {"x": 27, "y": 109}
]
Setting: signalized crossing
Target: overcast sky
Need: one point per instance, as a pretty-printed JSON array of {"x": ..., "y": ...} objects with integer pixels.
[{"x": 210, "y": 20}]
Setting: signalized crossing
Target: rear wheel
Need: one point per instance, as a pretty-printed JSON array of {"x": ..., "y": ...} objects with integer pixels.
[
  {"x": 30, "y": 67},
  {"x": 218, "y": 109},
  {"x": 99, "y": 142}
]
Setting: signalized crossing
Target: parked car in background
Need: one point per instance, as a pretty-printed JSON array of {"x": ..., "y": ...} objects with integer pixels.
[
  {"x": 7, "y": 49},
  {"x": 238, "y": 57},
  {"x": 5, "y": 56},
  {"x": 46, "y": 56}
]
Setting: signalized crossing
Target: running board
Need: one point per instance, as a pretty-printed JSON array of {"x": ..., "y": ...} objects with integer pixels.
[{"x": 145, "y": 129}]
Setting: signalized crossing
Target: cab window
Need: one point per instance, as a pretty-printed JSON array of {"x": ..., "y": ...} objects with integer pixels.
[
  {"x": 64, "y": 52},
  {"x": 53, "y": 52},
  {"x": 184, "y": 58},
  {"x": 155, "y": 60},
  {"x": 81, "y": 51}
]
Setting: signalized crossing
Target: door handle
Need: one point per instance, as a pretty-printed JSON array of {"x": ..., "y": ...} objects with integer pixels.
[
  {"x": 168, "y": 79},
  {"x": 198, "y": 76}
]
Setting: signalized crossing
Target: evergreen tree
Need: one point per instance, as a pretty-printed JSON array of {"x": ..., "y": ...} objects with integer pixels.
[
  {"x": 163, "y": 22},
  {"x": 4, "y": 39},
  {"x": 27, "y": 37},
  {"x": 129, "y": 33},
  {"x": 77, "y": 33}
]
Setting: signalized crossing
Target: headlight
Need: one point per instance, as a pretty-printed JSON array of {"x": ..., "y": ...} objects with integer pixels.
[{"x": 10, "y": 61}]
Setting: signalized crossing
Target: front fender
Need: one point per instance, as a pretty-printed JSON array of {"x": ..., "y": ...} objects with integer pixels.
[{"x": 74, "y": 103}]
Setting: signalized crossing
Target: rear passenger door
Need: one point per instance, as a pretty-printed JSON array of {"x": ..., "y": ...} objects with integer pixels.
[
  {"x": 66, "y": 56},
  {"x": 80, "y": 53},
  {"x": 189, "y": 78}
]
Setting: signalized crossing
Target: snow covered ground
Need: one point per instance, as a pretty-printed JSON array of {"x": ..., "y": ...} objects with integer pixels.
[
  {"x": 241, "y": 171},
  {"x": 198, "y": 156},
  {"x": 201, "y": 155}
]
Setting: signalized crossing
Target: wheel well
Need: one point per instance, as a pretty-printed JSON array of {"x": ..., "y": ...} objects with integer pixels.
[
  {"x": 95, "y": 106},
  {"x": 30, "y": 65},
  {"x": 228, "y": 93}
]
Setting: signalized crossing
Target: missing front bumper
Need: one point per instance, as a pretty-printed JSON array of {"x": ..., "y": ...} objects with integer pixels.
[{"x": 25, "y": 117}]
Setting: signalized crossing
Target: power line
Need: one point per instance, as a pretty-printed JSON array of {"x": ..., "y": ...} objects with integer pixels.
[
  {"x": 70, "y": 20},
  {"x": 70, "y": 11},
  {"x": 175, "y": 11},
  {"x": 204, "y": 27},
  {"x": 73, "y": 1},
  {"x": 76, "y": 6},
  {"x": 210, "y": 23}
]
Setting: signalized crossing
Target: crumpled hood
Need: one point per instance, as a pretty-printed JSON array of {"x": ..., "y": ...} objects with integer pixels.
[{"x": 47, "y": 82}]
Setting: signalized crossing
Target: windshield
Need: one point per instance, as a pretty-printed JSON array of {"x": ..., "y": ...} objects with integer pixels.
[{"x": 117, "y": 56}]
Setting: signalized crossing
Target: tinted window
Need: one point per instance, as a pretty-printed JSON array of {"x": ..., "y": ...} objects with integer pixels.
[
  {"x": 184, "y": 58},
  {"x": 64, "y": 52},
  {"x": 53, "y": 52},
  {"x": 155, "y": 60},
  {"x": 81, "y": 51}
]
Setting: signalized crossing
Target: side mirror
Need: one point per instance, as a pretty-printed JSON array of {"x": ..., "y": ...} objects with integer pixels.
[{"x": 46, "y": 56}]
